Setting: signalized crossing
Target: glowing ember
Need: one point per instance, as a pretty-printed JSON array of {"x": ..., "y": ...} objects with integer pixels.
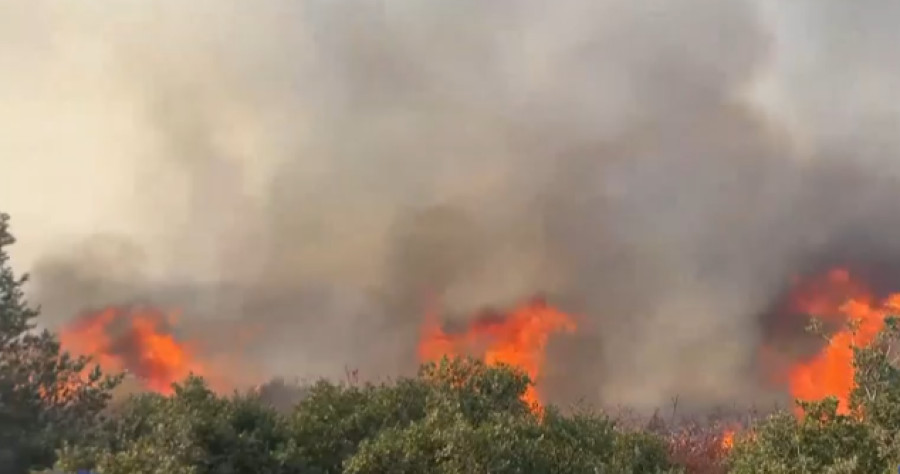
[
  {"x": 518, "y": 339},
  {"x": 728, "y": 440},
  {"x": 837, "y": 298},
  {"x": 136, "y": 340}
]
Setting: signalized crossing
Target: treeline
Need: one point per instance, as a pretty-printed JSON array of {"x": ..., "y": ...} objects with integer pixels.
[{"x": 459, "y": 416}]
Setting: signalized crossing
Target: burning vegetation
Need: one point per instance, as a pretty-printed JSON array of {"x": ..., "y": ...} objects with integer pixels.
[
  {"x": 152, "y": 345},
  {"x": 856, "y": 315},
  {"x": 517, "y": 338},
  {"x": 136, "y": 340},
  {"x": 142, "y": 340},
  {"x": 838, "y": 304}
]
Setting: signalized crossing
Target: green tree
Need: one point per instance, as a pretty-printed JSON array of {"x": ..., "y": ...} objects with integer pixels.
[
  {"x": 876, "y": 395},
  {"x": 193, "y": 431},
  {"x": 822, "y": 441},
  {"x": 459, "y": 416},
  {"x": 863, "y": 441},
  {"x": 46, "y": 396},
  {"x": 445, "y": 442}
]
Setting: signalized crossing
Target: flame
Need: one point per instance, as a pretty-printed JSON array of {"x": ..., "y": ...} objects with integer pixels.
[
  {"x": 837, "y": 298},
  {"x": 136, "y": 340},
  {"x": 727, "y": 440},
  {"x": 518, "y": 339}
]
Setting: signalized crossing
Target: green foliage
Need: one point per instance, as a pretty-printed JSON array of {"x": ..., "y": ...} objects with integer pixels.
[
  {"x": 193, "y": 431},
  {"x": 333, "y": 420},
  {"x": 461, "y": 416},
  {"x": 46, "y": 396},
  {"x": 445, "y": 442},
  {"x": 865, "y": 440},
  {"x": 821, "y": 441},
  {"x": 454, "y": 417},
  {"x": 877, "y": 394}
]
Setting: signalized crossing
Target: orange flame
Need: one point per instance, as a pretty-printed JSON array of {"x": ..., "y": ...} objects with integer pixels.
[
  {"x": 840, "y": 299},
  {"x": 136, "y": 340},
  {"x": 727, "y": 440},
  {"x": 518, "y": 339}
]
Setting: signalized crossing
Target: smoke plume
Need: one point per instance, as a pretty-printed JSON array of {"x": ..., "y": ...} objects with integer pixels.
[{"x": 321, "y": 168}]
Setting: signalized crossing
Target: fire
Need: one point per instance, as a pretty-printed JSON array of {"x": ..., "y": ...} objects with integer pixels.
[
  {"x": 837, "y": 298},
  {"x": 728, "y": 440},
  {"x": 518, "y": 338},
  {"x": 136, "y": 340}
]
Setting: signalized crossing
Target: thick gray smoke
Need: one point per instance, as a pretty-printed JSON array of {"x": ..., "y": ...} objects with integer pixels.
[{"x": 320, "y": 168}]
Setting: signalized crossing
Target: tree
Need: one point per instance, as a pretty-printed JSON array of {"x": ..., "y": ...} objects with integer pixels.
[
  {"x": 504, "y": 443},
  {"x": 821, "y": 441},
  {"x": 462, "y": 416},
  {"x": 194, "y": 431},
  {"x": 46, "y": 395},
  {"x": 458, "y": 416},
  {"x": 863, "y": 441}
]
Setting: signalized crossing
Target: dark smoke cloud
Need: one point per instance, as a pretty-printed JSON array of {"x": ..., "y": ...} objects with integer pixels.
[{"x": 320, "y": 168}]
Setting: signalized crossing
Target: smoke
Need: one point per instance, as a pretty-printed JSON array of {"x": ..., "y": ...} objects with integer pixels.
[{"x": 322, "y": 168}]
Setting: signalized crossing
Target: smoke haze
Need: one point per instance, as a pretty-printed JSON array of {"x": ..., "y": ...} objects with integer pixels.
[{"x": 320, "y": 168}]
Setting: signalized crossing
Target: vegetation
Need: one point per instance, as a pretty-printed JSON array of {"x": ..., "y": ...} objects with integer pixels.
[
  {"x": 458, "y": 416},
  {"x": 45, "y": 396},
  {"x": 865, "y": 440}
]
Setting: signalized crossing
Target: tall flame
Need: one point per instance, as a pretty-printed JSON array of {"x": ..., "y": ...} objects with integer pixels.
[
  {"x": 837, "y": 298},
  {"x": 136, "y": 340},
  {"x": 518, "y": 338}
]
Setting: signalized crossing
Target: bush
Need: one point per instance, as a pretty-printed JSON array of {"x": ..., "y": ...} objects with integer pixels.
[{"x": 457, "y": 416}]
